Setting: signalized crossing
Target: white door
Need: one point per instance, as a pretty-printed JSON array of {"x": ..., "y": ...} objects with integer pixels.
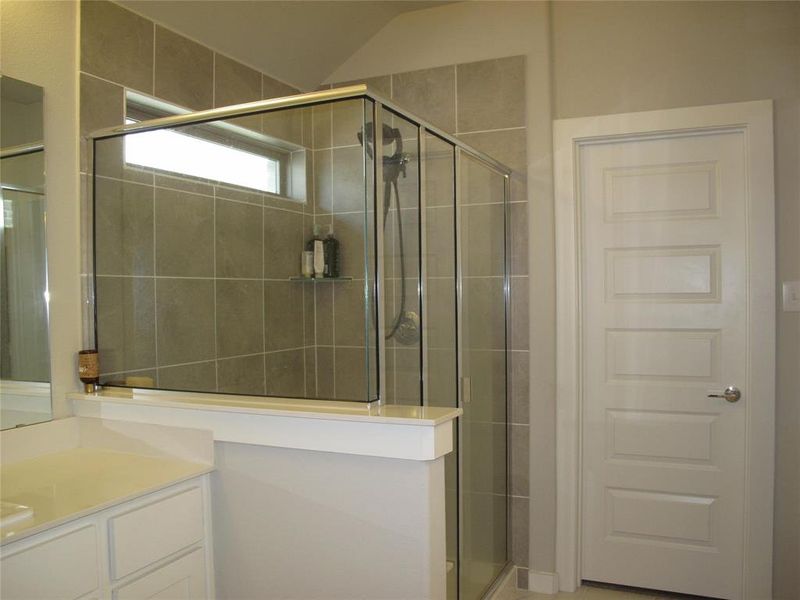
[{"x": 665, "y": 316}]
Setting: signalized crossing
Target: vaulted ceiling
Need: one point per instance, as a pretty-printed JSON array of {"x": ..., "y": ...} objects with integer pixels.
[{"x": 300, "y": 42}]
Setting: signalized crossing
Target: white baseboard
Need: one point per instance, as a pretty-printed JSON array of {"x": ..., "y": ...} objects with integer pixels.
[{"x": 544, "y": 583}]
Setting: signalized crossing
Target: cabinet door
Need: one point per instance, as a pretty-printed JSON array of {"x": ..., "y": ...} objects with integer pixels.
[
  {"x": 182, "y": 579},
  {"x": 63, "y": 566}
]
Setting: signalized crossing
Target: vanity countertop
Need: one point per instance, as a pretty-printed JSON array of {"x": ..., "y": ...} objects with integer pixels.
[
  {"x": 69, "y": 468},
  {"x": 72, "y": 483},
  {"x": 361, "y": 428},
  {"x": 305, "y": 408}
]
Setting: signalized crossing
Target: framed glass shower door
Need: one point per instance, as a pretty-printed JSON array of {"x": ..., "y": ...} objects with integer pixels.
[{"x": 481, "y": 196}]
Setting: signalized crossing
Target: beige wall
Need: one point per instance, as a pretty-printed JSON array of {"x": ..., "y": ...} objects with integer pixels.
[
  {"x": 40, "y": 45},
  {"x": 605, "y": 57},
  {"x": 621, "y": 57}
]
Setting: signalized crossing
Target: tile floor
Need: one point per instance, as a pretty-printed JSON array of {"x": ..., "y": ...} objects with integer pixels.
[{"x": 596, "y": 592}]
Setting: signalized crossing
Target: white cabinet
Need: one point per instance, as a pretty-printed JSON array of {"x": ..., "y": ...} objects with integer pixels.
[
  {"x": 155, "y": 546},
  {"x": 182, "y": 579},
  {"x": 157, "y": 530},
  {"x": 62, "y": 565}
]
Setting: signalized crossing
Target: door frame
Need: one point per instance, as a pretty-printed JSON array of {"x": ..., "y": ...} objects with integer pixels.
[{"x": 754, "y": 120}]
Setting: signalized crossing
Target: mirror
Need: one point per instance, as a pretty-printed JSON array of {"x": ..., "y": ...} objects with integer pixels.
[{"x": 24, "y": 340}]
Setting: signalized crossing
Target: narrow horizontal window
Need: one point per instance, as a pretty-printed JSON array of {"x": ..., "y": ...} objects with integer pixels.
[{"x": 167, "y": 150}]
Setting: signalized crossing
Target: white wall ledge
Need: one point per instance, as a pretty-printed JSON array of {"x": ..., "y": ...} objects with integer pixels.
[{"x": 402, "y": 432}]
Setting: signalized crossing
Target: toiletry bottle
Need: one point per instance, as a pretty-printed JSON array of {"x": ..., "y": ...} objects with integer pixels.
[
  {"x": 331, "y": 246},
  {"x": 315, "y": 245},
  {"x": 307, "y": 265},
  {"x": 89, "y": 370}
]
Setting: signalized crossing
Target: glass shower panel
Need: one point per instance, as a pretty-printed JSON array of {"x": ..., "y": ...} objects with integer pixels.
[
  {"x": 198, "y": 255},
  {"x": 401, "y": 255},
  {"x": 482, "y": 244},
  {"x": 439, "y": 316}
]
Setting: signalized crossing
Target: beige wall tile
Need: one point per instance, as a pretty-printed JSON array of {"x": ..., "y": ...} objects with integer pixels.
[
  {"x": 309, "y": 334},
  {"x": 321, "y": 126},
  {"x": 441, "y": 302},
  {"x": 348, "y": 121},
  {"x": 184, "y": 234},
  {"x": 283, "y": 243},
  {"x": 491, "y": 94},
  {"x": 484, "y": 322},
  {"x": 520, "y": 387},
  {"x": 519, "y": 530},
  {"x": 348, "y": 179},
  {"x": 126, "y": 324},
  {"x": 323, "y": 182},
  {"x": 323, "y": 293},
  {"x": 484, "y": 466},
  {"x": 407, "y": 375},
  {"x": 487, "y": 371},
  {"x": 380, "y": 85},
  {"x": 238, "y": 238},
  {"x": 442, "y": 384},
  {"x": 310, "y": 372},
  {"x": 283, "y": 310},
  {"x": 199, "y": 377},
  {"x": 439, "y": 189},
  {"x": 239, "y": 317},
  {"x": 519, "y": 314},
  {"x": 440, "y": 242},
  {"x": 102, "y": 105},
  {"x": 349, "y": 230},
  {"x": 351, "y": 382},
  {"x": 234, "y": 83},
  {"x": 117, "y": 44},
  {"x": 185, "y": 320},
  {"x": 185, "y": 184},
  {"x": 286, "y": 125},
  {"x": 284, "y": 372},
  {"x": 520, "y": 459},
  {"x": 483, "y": 240},
  {"x": 272, "y": 88},
  {"x": 124, "y": 227},
  {"x": 183, "y": 70},
  {"x": 248, "y": 196},
  {"x": 430, "y": 93},
  {"x": 508, "y": 147},
  {"x": 349, "y": 314},
  {"x": 241, "y": 375},
  {"x": 325, "y": 372},
  {"x": 518, "y": 238}
]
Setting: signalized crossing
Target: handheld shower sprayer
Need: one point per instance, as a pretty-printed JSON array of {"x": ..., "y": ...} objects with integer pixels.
[{"x": 406, "y": 324}]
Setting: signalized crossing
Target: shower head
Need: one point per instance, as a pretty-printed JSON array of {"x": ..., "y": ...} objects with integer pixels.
[
  {"x": 393, "y": 164},
  {"x": 390, "y": 135}
]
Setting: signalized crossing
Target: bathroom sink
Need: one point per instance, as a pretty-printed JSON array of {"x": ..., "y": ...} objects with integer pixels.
[{"x": 11, "y": 513}]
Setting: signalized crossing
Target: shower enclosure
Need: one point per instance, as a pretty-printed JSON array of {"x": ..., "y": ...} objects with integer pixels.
[{"x": 200, "y": 223}]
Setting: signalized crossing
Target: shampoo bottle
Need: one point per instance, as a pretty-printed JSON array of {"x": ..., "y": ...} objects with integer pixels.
[
  {"x": 315, "y": 245},
  {"x": 331, "y": 248}
]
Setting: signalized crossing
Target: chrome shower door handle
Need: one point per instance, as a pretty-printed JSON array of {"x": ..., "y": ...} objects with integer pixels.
[
  {"x": 466, "y": 391},
  {"x": 731, "y": 394}
]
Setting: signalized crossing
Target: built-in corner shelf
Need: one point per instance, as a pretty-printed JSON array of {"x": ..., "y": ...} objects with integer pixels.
[{"x": 318, "y": 279}]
